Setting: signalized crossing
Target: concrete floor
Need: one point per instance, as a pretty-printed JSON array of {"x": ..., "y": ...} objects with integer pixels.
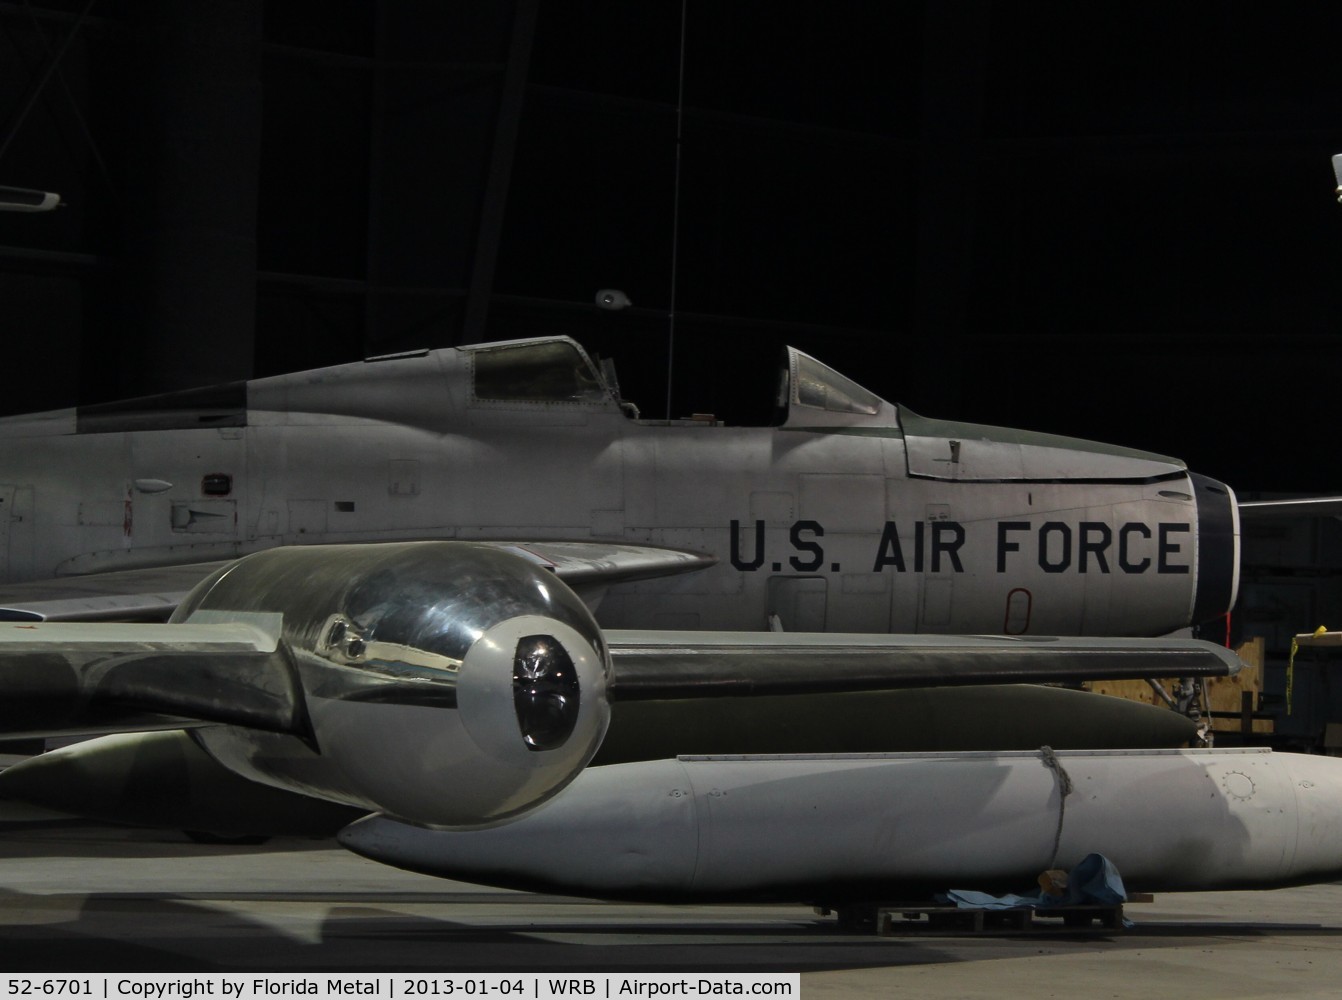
[{"x": 82, "y": 897}]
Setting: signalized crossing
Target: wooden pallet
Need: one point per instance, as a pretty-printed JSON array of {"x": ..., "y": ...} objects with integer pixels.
[{"x": 892, "y": 921}]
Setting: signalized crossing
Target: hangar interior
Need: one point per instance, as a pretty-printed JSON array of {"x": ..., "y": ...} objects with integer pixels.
[{"x": 1107, "y": 221}]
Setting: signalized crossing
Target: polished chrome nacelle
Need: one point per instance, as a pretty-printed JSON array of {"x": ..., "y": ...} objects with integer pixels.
[{"x": 446, "y": 683}]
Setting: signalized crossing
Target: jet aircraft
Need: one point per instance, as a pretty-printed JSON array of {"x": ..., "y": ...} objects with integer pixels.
[
  {"x": 844, "y": 514},
  {"x": 847, "y": 514},
  {"x": 416, "y": 586}
]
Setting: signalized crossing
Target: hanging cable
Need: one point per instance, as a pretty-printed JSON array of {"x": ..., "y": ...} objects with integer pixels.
[{"x": 675, "y": 214}]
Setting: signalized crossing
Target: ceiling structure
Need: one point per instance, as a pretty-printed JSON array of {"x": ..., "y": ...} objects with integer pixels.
[{"x": 1111, "y": 220}]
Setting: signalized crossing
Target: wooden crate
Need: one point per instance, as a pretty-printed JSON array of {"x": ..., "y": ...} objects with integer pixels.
[{"x": 1226, "y": 693}]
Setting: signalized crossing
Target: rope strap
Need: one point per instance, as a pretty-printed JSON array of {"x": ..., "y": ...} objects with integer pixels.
[{"x": 1051, "y": 761}]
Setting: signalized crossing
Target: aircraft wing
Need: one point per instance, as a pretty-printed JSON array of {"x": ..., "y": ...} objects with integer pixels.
[
  {"x": 87, "y": 677},
  {"x": 665, "y": 665},
  {"x": 102, "y": 677},
  {"x": 581, "y": 564},
  {"x": 152, "y": 593},
  {"x": 148, "y": 594}
]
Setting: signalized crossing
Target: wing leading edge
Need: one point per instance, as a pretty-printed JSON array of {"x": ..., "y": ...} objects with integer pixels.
[{"x": 664, "y": 665}]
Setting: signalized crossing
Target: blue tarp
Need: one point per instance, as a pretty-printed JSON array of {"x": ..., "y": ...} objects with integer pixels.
[{"x": 1094, "y": 881}]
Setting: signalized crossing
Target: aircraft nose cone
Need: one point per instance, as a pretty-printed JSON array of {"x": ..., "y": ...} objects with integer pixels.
[{"x": 1218, "y": 548}]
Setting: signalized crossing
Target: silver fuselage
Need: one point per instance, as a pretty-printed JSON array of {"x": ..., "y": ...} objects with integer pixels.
[{"x": 850, "y": 515}]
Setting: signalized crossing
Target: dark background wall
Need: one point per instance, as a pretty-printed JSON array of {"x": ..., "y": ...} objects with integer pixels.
[{"x": 1113, "y": 220}]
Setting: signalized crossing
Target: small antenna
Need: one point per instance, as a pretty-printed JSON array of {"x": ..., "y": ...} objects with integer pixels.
[{"x": 675, "y": 216}]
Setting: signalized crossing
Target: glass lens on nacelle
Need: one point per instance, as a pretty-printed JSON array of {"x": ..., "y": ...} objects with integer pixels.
[{"x": 545, "y": 692}]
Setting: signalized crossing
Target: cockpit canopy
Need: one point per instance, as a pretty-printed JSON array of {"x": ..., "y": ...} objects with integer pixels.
[
  {"x": 810, "y": 384},
  {"x": 558, "y": 371},
  {"x": 547, "y": 373},
  {"x": 536, "y": 371}
]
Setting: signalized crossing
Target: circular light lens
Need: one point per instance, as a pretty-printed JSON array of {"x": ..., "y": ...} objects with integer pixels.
[{"x": 545, "y": 692}]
